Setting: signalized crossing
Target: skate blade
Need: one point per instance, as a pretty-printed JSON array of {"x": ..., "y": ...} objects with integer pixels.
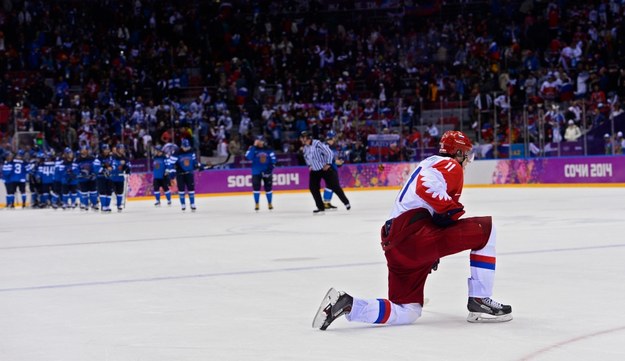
[
  {"x": 330, "y": 298},
  {"x": 479, "y": 317}
]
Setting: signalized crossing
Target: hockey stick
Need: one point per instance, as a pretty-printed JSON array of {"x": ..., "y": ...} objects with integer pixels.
[
  {"x": 212, "y": 166},
  {"x": 125, "y": 194}
]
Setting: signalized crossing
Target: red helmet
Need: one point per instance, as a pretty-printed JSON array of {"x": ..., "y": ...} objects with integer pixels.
[{"x": 454, "y": 141}]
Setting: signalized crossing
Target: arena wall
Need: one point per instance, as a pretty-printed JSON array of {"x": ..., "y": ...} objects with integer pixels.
[{"x": 535, "y": 171}]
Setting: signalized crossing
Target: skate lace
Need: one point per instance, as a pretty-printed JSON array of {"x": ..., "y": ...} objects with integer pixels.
[{"x": 492, "y": 303}]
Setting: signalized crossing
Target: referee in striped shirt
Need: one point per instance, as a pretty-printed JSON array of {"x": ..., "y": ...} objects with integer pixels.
[{"x": 319, "y": 158}]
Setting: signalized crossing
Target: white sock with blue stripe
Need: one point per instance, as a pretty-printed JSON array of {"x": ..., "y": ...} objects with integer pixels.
[
  {"x": 383, "y": 311},
  {"x": 483, "y": 269}
]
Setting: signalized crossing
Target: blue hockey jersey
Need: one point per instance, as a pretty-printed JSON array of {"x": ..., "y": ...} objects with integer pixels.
[
  {"x": 57, "y": 170},
  {"x": 7, "y": 170},
  {"x": 263, "y": 159},
  {"x": 69, "y": 172},
  {"x": 161, "y": 166},
  {"x": 18, "y": 175},
  {"x": 102, "y": 166},
  {"x": 121, "y": 166},
  {"x": 85, "y": 168},
  {"x": 46, "y": 171},
  {"x": 185, "y": 161}
]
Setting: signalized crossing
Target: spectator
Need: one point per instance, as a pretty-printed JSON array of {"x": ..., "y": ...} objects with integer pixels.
[
  {"x": 234, "y": 146},
  {"x": 394, "y": 153},
  {"x": 119, "y": 63},
  {"x": 616, "y": 111},
  {"x": 358, "y": 154},
  {"x": 572, "y": 132},
  {"x": 608, "y": 145},
  {"x": 619, "y": 143},
  {"x": 432, "y": 135}
]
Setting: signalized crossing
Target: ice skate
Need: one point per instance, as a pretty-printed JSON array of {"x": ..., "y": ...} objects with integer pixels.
[
  {"x": 270, "y": 206},
  {"x": 329, "y": 206},
  {"x": 348, "y": 206},
  {"x": 486, "y": 310},
  {"x": 157, "y": 204},
  {"x": 319, "y": 211},
  {"x": 256, "y": 207},
  {"x": 193, "y": 208},
  {"x": 334, "y": 305}
]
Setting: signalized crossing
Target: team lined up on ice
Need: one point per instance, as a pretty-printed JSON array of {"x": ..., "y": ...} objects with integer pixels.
[
  {"x": 68, "y": 180},
  {"x": 88, "y": 179}
]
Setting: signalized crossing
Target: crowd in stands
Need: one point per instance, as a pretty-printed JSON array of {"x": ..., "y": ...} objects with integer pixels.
[{"x": 148, "y": 72}]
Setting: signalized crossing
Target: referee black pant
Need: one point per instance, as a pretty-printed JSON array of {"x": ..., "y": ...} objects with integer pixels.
[{"x": 331, "y": 178}]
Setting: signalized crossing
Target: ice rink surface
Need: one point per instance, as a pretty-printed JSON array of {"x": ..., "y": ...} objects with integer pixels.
[{"x": 227, "y": 283}]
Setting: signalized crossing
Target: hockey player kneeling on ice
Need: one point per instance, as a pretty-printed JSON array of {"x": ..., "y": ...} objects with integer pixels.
[{"x": 425, "y": 226}]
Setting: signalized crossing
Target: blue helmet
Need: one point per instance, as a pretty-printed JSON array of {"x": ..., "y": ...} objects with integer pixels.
[
  {"x": 85, "y": 147},
  {"x": 105, "y": 147},
  {"x": 41, "y": 155},
  {"x": 120, "y": 146},
  {"x": 20, "y": 153},
  {"x": 185, "y": 144},
  {"x": 260, "y": 137},
  {"x": 158, "y": 148},
  {"x": 331, "y": 134}
]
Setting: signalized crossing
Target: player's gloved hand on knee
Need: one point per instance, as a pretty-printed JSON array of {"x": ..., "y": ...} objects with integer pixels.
[{"x": 448, "y": 218}]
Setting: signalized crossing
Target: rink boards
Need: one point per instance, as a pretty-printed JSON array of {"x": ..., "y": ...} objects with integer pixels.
[{"x": 580, "y": 171}]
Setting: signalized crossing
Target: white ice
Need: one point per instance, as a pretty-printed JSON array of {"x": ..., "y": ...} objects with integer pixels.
[{"x": 227, "y": 283}]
